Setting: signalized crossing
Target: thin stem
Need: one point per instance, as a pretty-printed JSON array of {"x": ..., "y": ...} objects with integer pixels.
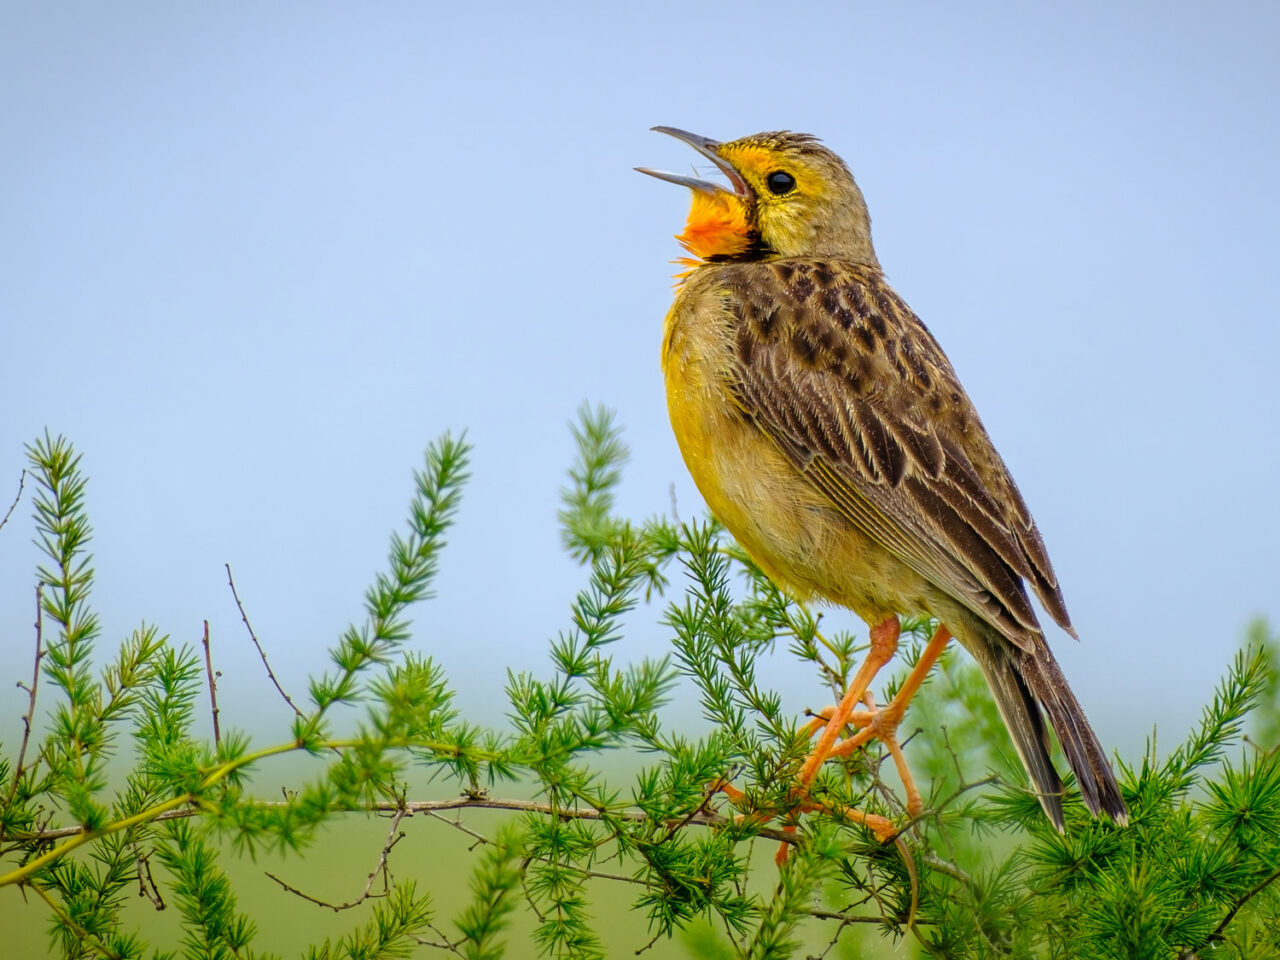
[
  {"x": 213, "y": 687},
  {"x": 582, "y": 871},
  {"x": 444, "y": 943},
  {"x": 81, "y": 933},
  {"x": 254, "y": 637},
  {"x": 147, "y": 883},
  {"x": 29, "y": 718},
  {"x": 379, "y": 868},
  {"x": 80, "y": 837},
  {"x": 942, "y": 805},
  {"x": 22, "y": 480},
  {"x": 1266, "y": 882},
  {"x": 168, "y": 811},
  {"x": 853, "y": 918},
  {"x": 77, "y": 836}
]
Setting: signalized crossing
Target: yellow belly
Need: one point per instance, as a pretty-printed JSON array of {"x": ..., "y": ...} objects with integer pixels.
[{"x": 789, "y": 527}]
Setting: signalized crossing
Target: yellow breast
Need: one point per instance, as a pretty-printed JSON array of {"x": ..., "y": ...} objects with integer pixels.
[{"x": 789, "y": 528}]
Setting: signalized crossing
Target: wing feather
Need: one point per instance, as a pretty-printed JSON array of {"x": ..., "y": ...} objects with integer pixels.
[{"x": 853, "y": 388}]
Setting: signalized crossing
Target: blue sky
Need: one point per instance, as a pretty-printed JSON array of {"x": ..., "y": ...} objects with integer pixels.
[{"x": 252, "y": 259}]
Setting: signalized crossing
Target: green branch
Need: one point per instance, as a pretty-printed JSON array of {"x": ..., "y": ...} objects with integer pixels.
[{"x": 605, "y": 786}]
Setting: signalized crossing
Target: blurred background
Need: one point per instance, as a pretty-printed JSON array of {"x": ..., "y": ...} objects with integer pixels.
[{"x": 253, "y": 260}]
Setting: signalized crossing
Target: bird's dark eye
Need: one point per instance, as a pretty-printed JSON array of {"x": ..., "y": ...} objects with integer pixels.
[{"x": 780, "y": 182}]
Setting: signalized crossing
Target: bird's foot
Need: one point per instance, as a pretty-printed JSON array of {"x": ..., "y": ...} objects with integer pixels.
[
  {"x": 882, "y": 723},
  {"x": 872, "y": 723},
  {"x": 883, "y": 828},
  {"x": 884, "y": 644}
]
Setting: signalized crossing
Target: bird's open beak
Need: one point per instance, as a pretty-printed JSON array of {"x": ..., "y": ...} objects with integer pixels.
[{"x": 708, "y": 148}]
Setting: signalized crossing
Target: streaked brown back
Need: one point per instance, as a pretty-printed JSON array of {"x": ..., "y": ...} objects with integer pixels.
[{"x": 835, "y": 368}]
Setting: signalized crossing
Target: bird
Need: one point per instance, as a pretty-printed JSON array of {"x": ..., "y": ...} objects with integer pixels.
[{"x": 828, "y": 432}]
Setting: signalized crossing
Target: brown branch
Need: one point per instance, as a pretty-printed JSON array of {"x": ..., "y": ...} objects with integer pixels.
[
  {"x": 213, "y": 687},
  {"x": 305, "y": 896},
  {"x": 835, "y": 938},
  {"x": 955, "y": 758},
  {"x": 457, "y": 824},
  {"x": 947, "y": 867},
  {"x": 942, "y": 805},
  {"x": 463, "y": 802},
  {"x": 29, "y": 718},
  {"x": 650, "y": 944},
  {"x": 444, "y": 943},
  {"x": 481, "y": 838},
  {"x": 524, "y": 888},
  {"x": 853, "y": 918},
  {"x": 147, "y": 884},
  {"x": 22, "y": 479},
  {"x": 678, "y": 825},
  {"x": 379, "y": 868},
  {"x": 1265, "y": 752},
  {"x": 254, "y": 637},
  {"x": 1266, "y": 882}
]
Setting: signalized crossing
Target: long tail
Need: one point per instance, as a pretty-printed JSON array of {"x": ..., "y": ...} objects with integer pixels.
[{"x": 1023, "y": 683}]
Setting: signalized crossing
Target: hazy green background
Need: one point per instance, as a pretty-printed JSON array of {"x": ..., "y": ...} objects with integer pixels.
[{"x": 440, "y": 858}]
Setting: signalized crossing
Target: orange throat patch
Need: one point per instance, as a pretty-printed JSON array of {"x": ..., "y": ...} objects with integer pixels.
[{"x": 717, "y": 227}]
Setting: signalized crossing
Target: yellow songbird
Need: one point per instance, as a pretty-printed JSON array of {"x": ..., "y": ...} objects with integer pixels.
[{"x": 827, "y": 431}]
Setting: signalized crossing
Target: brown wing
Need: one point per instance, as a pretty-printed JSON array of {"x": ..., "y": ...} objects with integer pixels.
[{"x": 838, "y": 371}]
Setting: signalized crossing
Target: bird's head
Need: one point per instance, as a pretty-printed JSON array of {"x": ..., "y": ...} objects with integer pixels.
[{"x": 788, "y": 196}]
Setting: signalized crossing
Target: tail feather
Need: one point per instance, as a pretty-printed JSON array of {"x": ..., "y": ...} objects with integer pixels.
[
  {"x": 1098, "y": 787},
  {"x": 1025, "y": 682}
]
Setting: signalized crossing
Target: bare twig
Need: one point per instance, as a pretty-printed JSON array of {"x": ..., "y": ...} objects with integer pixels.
[
  {"x": 955, "y": 759},
  {"x": 650, "y": 944},
  {"x": 1263, "y": 751},
  {"x": 457, "y": 824},
  {"x": 1266, "y": 882},
  {"x": 835, "y": 938},
  {"x": 304, "y": 895},
  {"x": 732, "y": 935},
  {"x": 254, "y": 637},
  {"x": 147, "y": 884},
  {"x": 22, "y": 479},
  {"x": 480, "y": 838},
  {"x": 678, "y": 825},
  {"x": 463, "y": 802},
  {"x": 444, "y": 943},
  {"x": 393, "y": 837},
  {"x": 213, "y": 687},
  {"x": 945, "y": 866},
  {"x": 854, "y": 918},
  {"x": 937, "y": 808},
  {"x": 524, "y": 887},
  {"x": 29, "y": 718}
]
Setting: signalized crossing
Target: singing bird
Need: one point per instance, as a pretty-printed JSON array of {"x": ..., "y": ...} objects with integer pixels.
[{"x": 827, "y": 431}]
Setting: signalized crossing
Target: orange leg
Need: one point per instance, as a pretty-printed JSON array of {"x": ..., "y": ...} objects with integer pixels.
[
  {"x": 880, "y": 724},
  {"x": 859, "y": 718},
  {"x": 884, "y": 644},
  {"x": 883, "y": 724},
  {"x": 883, "y": 828}
]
